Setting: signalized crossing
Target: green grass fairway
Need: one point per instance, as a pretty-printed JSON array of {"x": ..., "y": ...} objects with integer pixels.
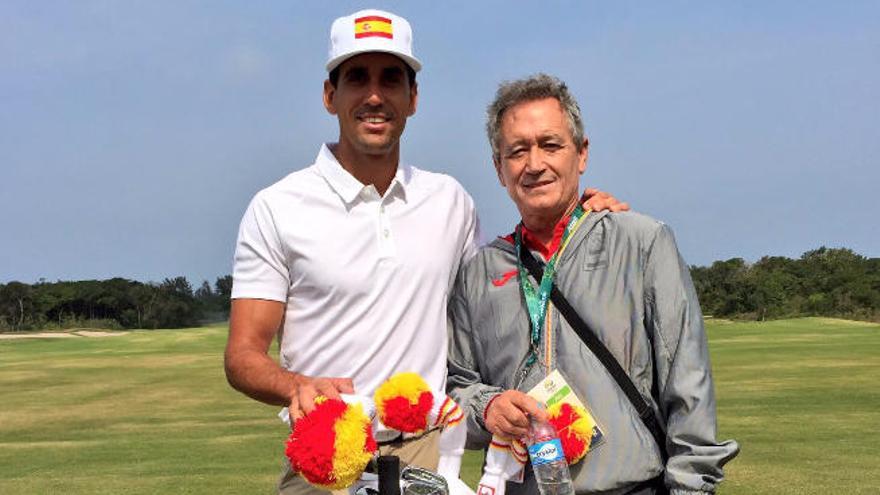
[
  {"x": 150, "y": 413},
  {"x": 803, "y": 400}
]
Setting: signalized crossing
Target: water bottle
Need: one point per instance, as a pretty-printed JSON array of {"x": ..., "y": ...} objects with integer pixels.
[{"x": 548, "y": 460}]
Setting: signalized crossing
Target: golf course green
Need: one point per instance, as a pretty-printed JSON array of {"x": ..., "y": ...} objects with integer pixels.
[{"x": 149, "y": 412}]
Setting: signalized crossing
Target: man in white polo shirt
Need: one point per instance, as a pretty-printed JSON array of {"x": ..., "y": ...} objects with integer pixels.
[{"x": 350, "y": 260}]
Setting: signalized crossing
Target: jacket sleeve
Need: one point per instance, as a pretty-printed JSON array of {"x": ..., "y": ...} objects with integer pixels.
[
  {"x": 684, "y": 378},
  {"x": 464, "y": 382}
]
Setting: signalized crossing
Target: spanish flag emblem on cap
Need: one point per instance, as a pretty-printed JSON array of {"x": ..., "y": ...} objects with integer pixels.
[
  {"x": 373, "y": 25},
  {"x": 368, "y": 31}
]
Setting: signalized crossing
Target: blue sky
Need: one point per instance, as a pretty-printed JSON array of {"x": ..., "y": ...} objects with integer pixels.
[{"x": 133, "y": 134}]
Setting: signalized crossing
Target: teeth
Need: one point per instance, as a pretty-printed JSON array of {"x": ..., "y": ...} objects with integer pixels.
[{"x": 374, "y": 120}]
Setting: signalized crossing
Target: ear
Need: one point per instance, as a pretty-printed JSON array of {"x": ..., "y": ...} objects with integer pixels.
[
  {"x": 413, "y": 98},
  {"x": 584, "y": 155},
  {"x": 497, "y": 163},
  {"x": 329, "y": 92}
]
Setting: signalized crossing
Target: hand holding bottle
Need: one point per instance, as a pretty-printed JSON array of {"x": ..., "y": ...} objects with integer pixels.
[
  {"x": 548, "y": 460},
  {"x": 508, "y": 414}
]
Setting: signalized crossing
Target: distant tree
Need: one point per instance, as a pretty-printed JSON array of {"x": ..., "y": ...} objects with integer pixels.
[
  {"x": 772, "y": 283},
  {"x": 211, "y": 304},
  {"x": 832, "y": 276},
  {"x": 177, "y": 285},
  {"x": 223, "y": 291},
  {"x": 223, "y": 286},
  {"x": 722, "y": 287},
  {"x": 204, "y": 292},
  {"x": 175, "y": 305},
  {"x": 113, "y": 303},
  {"x": 144, "y": 297},
  {"x": 17, "y": 301},
  {"x": 824, "y": 281}
]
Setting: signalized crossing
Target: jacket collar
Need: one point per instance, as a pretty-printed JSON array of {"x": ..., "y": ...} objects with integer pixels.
[{"x": 506, "y": 243}]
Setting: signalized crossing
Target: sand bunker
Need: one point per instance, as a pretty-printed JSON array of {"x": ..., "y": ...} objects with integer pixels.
[{"x": 58, "y": 335}]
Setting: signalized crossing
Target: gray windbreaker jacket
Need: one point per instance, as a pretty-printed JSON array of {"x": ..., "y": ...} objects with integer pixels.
[{"x": 623, "y": 274}]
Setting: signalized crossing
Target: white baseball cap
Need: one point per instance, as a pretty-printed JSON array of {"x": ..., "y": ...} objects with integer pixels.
[{"x": 371, "y": 31}]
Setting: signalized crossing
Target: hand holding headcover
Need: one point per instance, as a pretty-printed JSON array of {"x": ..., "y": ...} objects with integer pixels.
[{"x": 332, "y": 445}]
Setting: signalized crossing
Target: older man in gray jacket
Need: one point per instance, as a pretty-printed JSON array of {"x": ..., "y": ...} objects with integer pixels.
[{"x": 623, "y": 275}]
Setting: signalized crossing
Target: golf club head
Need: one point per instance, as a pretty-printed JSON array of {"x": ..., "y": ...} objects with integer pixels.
[{"x": 418, "y": 481}]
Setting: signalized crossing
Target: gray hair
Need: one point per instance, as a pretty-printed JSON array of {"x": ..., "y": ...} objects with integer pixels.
[{"x": 536, "y": 87}]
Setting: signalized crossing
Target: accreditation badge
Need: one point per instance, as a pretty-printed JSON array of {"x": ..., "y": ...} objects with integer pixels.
[{"x": 573, "y": 420}]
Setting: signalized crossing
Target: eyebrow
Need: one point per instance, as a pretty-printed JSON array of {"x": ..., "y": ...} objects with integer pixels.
[
  {"x": 542, "y": 138},
  {"x": 355, "y": 69},
  {"x": 550, "y": 135},
  {"x": 393, "y": 70},
  {"x": 518, "y": 142}
]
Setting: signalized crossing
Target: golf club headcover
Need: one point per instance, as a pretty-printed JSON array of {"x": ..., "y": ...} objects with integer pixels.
[
  {"x": 447, "y": 415},
  {"x": 504, "y": 460},
  {"x": 574, "y": 427},
  {"x": 331, "y": 446},
  {"x": 405, "y": 402}
]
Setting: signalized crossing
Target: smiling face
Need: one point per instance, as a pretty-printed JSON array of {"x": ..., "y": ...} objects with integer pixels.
[
  {"x": 539, "y": 162},
  {"x": 372, "y": 100}
]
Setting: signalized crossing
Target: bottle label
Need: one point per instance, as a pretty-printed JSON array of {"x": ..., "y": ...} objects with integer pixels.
[{"x": 546, "y": 452}]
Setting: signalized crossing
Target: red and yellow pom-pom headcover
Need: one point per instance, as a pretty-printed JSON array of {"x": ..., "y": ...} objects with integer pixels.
[
  {"x": 574, "y": 427},
  {"x": 404, "y": 401},
  {"x": 332, "y": 445}
]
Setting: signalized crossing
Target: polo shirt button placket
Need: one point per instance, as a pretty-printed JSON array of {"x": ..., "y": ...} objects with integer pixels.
[{"x": 386, "y": 243}]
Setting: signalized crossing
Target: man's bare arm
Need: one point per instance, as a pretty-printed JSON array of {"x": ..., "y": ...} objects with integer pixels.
[{"x": 253, "y": 323}]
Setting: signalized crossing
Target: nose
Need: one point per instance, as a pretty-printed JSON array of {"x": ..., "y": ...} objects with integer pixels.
[
  {"x": 374, "y": 94},
  {"x": 535, "y": 160}
]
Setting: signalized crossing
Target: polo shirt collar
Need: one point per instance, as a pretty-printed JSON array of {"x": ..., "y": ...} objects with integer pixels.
[{"x": 347, "y": 187}]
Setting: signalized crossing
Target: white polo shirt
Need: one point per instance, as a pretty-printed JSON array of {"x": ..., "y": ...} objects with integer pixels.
[{"x": 365, "y": 277}]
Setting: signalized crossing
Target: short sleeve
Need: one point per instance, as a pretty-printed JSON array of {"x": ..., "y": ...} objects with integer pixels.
[{"x": 260, "y": 269}]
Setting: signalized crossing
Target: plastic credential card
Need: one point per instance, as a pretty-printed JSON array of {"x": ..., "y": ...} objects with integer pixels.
[{"x": 554, "y": 389}]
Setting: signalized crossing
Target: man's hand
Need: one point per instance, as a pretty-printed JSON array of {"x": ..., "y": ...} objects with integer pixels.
[
  {"x": 307, "y": 389},
  {"x": 508, "y": 414},
  {"x": 598, "y": 200}
]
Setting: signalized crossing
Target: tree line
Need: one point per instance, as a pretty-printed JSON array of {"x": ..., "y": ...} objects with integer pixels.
[
  {"x": 822, "y": 282},
  {"x": 117, "y": 303}
]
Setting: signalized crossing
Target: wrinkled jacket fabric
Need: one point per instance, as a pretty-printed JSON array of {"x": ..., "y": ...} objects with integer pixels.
[{"x": 623, "y": 274}]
